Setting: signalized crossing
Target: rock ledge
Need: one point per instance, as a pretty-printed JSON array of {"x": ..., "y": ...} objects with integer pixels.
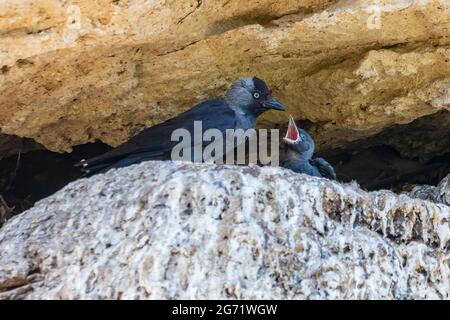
[{"x": 179, "y": 230}]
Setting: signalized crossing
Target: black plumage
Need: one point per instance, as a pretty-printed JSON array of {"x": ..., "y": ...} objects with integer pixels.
[{"x": 237, "y": 109}]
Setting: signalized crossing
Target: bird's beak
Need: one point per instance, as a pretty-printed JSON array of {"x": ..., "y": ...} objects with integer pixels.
[
  {"x": 273, "y": 103},
  {"x": 292, "y": 135}
]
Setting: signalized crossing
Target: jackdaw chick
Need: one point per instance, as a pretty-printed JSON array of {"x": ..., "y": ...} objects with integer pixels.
[{"x": 299, "y": 149}]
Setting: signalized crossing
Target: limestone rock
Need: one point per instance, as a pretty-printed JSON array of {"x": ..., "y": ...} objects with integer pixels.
[
  {"x": 180, "y": 230},
  {"x": 439, "y": 194},
  {"x": 77, "y": 71}
]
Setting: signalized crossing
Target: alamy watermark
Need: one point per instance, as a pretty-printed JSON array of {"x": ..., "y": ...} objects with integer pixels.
[
  {"x": 378, "y": 7},
  {"x": 213, "y": 146},
  {"x": 374, "y": 20}
]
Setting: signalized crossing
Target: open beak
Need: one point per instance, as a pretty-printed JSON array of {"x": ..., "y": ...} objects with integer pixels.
[
  {"x": 273, "y": 103},
  {"x": 292, "y": 135}
]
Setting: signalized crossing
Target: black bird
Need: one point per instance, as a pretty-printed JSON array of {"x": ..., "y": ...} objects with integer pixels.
[
  {"x": 242, "y": 103},
  {"x": 299, "y": 149}
]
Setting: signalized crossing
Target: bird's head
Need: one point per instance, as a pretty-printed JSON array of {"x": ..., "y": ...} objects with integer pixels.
[
  {"x": 298, "y": 141},
  {"x": 252, "y": 96}
]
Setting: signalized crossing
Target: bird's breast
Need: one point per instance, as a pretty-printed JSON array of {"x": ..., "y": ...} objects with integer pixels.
[{"x": 245, "y": 122}]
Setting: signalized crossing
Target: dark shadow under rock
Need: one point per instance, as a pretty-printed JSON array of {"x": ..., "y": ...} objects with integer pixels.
[
  {"x": 29, "y": 177},
  {"x": 11, "y": 145},
  {"x": 5, "y": 211}
]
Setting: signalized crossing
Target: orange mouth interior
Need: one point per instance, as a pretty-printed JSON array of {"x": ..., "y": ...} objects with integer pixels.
[{"x": 292, "y": 131}]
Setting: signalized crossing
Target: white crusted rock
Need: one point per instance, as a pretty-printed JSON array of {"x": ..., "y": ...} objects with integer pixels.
[
  {"x": 181, "y": 230},
  {"x": 439, "y": 194}
]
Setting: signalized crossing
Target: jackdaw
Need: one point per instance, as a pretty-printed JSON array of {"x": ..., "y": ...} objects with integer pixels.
[
  {"x": 299, "y": 149},
  {"x": 239, "y": 108}
]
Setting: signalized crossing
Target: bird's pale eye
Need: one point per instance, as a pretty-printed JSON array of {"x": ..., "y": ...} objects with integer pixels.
[{"x": 256, "y": 95}]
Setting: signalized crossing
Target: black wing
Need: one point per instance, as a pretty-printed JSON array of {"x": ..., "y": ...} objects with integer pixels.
[
  {"x": 155, "y": 141},
  {"x": 325, "y": 169}
]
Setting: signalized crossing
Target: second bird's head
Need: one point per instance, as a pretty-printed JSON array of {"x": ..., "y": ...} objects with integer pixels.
[
  {"x": 252, "y": 96},
  {"x": 298, "y": 141}
]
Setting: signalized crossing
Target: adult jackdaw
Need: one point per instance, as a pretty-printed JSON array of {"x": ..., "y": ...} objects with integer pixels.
[{"x": 239, "y": 108}]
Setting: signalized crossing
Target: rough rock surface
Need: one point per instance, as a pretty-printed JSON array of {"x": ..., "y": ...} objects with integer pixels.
[
  {"x": 439, "y": 194},
  {"x": 76, "y": 71},
  {"x": 180, "y": 230}
]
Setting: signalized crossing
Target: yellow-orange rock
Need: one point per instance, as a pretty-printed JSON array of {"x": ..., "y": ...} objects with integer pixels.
[{"x": 76, "y": 71}]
